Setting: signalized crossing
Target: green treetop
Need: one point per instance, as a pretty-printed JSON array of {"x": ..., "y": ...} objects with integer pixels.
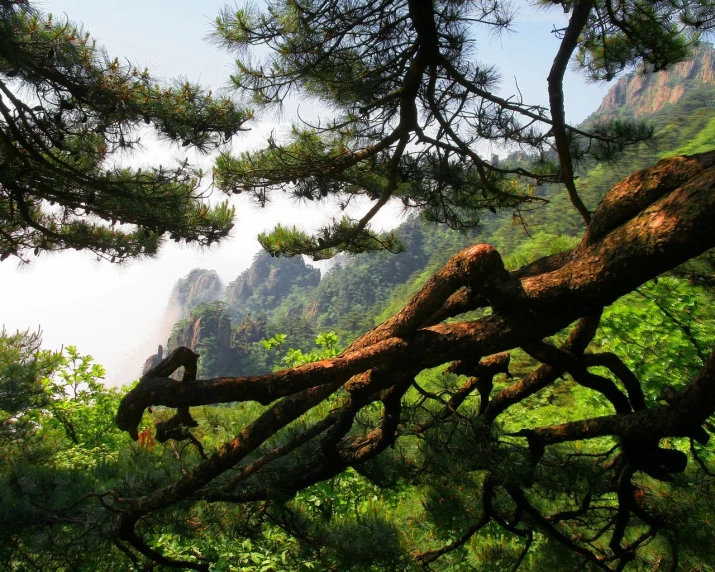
[{"x": 67, "y": 111}]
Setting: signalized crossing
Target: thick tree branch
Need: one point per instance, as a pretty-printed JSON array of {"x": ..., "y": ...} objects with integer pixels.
[
  {"x": 682, "y": 417},
  {"x": 671, "y": 230}
]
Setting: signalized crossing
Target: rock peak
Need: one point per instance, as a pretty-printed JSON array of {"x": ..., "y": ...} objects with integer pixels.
[{"x": 639, "y": 93}]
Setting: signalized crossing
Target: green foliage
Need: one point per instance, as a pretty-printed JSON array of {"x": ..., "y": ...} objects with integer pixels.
[
  {"x": 59, "y": 184},
  {"x": 365, "y": 65},
  {"x": 22, "y": 365},
  {"x": 78, "y": 401},
  {"x": 345, "y": 235},
  {"x": 663, "y": 331},
  {"x": 69, "y": 460},
  {"x": 656, "y": 33},
  {"x": 326, "y": 342},
  {"x": 424, "y": 490},
  {"x": 366, "y": 521},
  {"x": 361, "y": 77},
  {"x": 59, "y": 444},
  {"x": 274, "y": 342}
]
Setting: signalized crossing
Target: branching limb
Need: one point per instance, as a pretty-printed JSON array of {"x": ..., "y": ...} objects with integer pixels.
[
  {"x": 622, "y": 372},
  {"x": 683, "y": 417},
  {"x": 483, "y": 375},
  {"x": 522, "y": 502},
  {"x": 479, "y": 267},
  {"x": 527, "y": 306},
  {"x": 129, "y": 535},
  {"x": 564, "y": 360},
  {"x": 577, "y": 23},
  {"x": 671, "y": 230},
  {"x": 577, "y": 342}
]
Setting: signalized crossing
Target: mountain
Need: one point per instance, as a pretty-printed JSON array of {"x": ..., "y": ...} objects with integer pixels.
[
  {"x": 267, "y": 280},
  {"x": 287, "y": 296},
  {"x": 640, "y": 94},
  {"x": 198, "y": 287}
]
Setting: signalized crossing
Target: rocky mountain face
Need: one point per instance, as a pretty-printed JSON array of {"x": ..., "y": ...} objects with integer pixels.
[
  {"x": 285, "y": 295},
  {"x": 198, "y": 287},
  {"x": 268, "y": 278},
  {"x": 153, "y": 360},
  {"x": 208, "y": 332},
  {"x": 221, "y": 324},
  {"x": 193, "y": 290},
  {"x": 638, "y": 94}
]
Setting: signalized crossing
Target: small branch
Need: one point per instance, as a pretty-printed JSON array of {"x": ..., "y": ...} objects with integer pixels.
[
  {"x": 425, "y": 558},
  {"x": 699, "y": 461},
  {"x": 129, "y": 535},
  {"x": 574, "y": 365},
  {"x": 483, "y": 374},
  {"x": 577, "y": 342},
  {"x": 521, "y": 501},
  {"x": 524, "y": 552},
  {"x": 292, "y": 445},
  {"x": 683, "y": 417},
  {"x": 622, "y": 372}
]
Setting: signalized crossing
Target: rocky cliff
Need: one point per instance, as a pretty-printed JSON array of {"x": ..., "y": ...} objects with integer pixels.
[
  {"x": 153, "y": 360},
  {"x": 207, "y": 331},
  {"x": 206, "y": 312},
  {"x": 266, "y": 281},
  {"x": 638, "y": 94},
  {"x": 283, "y": 295},
  {"x": 198, "y": 287}
]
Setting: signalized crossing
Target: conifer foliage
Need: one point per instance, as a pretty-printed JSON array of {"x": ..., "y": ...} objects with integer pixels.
[
  {"x": 415, "y": 107},
  {"x": 67, "y": 112}
]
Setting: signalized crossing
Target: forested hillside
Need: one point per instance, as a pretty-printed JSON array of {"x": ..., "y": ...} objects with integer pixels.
[{"x": 286, "y": 296}]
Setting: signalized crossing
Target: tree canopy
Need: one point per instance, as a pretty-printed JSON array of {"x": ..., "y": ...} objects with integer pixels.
[
  {"x": 429, "y": 441},
  {"x": 67, "y": 113},
  {"x": 416, "y": 109}
]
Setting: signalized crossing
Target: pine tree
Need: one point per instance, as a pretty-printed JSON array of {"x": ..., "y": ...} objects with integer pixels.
[
  {"x": 68, "y": 112},
  {"x": 415, "y": 110}
]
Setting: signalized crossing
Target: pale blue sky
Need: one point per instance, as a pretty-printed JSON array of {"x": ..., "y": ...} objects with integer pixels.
[
  {"x": 115, "y": 313},
  {"x": 170, "y": 36}
]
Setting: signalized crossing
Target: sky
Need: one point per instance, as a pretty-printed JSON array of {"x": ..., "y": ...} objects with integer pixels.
[{"x": 114, "y": 313}]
